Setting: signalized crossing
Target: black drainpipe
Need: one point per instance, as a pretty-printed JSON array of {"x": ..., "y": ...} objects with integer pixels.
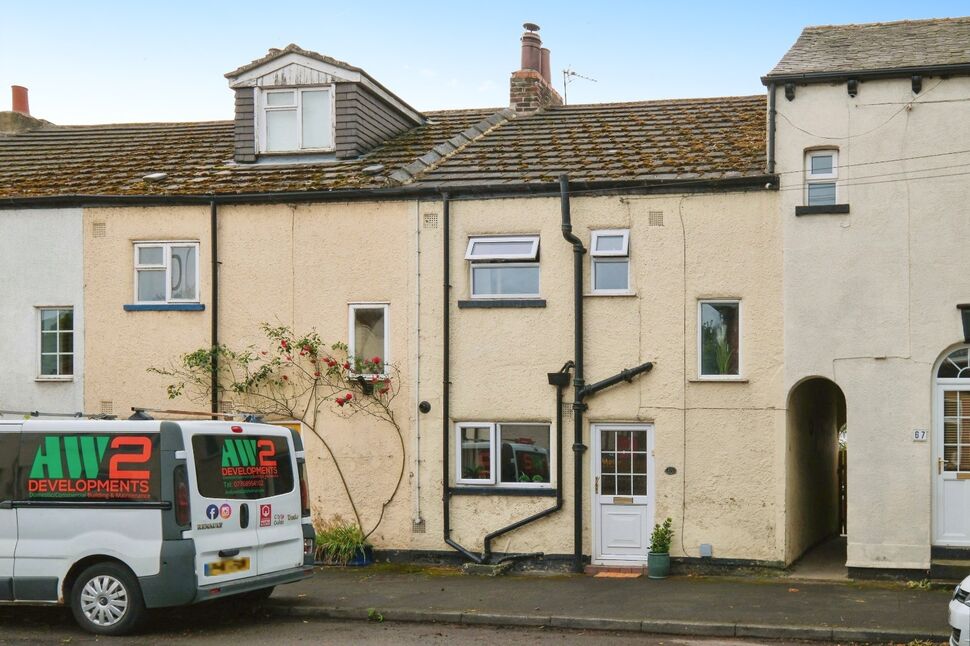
[
  {"x": 214, "y": 251},
  {"x": 560, "y": 380},
  {"x": 771, "y": 129},
  {"x": 578, "y": 383},
  {"x": 446, "y": 381}
]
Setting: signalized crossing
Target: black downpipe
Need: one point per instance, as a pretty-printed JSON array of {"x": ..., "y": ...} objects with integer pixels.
[
  {"x": 578, "y": 382},
  {"x": 771, "y": 129},
  {"x": 626, "y": 375},
  {"x": 214, "y": 252},
  {"x": 559, "y": 383},
  {"x": 446, "y": 381}
]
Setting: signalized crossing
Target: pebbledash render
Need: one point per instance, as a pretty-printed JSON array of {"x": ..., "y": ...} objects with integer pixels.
[{"x": 740, "y": 314}]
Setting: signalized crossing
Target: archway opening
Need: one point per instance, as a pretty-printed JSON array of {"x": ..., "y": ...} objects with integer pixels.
[{"x": 816, "y": 491}]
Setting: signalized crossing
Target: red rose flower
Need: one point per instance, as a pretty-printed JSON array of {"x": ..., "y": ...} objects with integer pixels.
[
  {"x": 340, "y": 402},
  {"x": 346, "y": 365},
  {"x": 348, "y": 396},
  {"x": 283, "y": 344},
  {"x": 376, "y": 361},
  {"x": 316, "y": 374}
]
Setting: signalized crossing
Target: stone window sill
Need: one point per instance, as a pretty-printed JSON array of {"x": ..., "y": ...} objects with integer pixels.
[
  {"x": 502, "y": 303},
  {"x": 822, "y": 209},
  {"x": 165, "y": 307}
]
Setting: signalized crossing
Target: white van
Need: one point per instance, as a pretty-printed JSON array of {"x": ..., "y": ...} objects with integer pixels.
[{"x": 113, "y": 517}]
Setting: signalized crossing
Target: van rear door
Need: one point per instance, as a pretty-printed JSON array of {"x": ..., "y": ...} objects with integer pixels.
[
  {"x": 225, "y": 502},
  {"x": 9, "y": 449},
  {"x": 280, "y": 518}
]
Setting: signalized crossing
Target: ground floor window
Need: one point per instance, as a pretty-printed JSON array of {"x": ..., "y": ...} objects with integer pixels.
[{"x": 503, "y": 454}]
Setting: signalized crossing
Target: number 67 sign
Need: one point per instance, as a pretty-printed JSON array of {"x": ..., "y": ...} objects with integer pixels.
[{"x": 920, "y": 434}]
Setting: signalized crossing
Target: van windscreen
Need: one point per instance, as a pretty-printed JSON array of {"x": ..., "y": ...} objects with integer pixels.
[{"x": 242, "y": 468}]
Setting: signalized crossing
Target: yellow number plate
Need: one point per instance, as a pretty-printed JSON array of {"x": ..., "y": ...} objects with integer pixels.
[{"x": 227, "y": 567}]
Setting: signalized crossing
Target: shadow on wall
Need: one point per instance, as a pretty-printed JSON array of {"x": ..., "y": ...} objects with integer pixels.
[{"x": 816, "y": 415}]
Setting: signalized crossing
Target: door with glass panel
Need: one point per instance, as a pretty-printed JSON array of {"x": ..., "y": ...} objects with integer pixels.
[
  {"x": 623, "y": 492},
  {"x": 952, "y": 522}
]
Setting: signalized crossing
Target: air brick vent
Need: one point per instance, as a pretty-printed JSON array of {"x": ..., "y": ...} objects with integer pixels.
[
  {"x": 107, "y": 407},
  {"x": 655, "y": 218},
  {"x": 99, "y": 229},
  {"x": 430, "y": 220}
]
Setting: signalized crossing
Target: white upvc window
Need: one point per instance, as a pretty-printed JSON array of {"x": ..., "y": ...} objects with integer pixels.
[
  {"x": 719, "y": 337},
  {"x": 295, "y": 120},
  {"x": 510, "y": 455},
  {"x": 167, "y": 272},
  {"x": 821, "y": 177},
  {"x": 56, "y": 358},
  {"x": 369, "y": 336},
  {"x": 504, "y": 266},
  {"x": 610, "y": 261}
]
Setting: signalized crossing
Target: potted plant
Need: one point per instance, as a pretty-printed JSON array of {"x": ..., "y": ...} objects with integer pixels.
[
  {"x": 341, "y": 543},
  {"x": 658, "y": 559}
]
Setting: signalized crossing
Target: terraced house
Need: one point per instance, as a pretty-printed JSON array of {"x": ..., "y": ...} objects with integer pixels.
[{"x": 603, "y": 315}]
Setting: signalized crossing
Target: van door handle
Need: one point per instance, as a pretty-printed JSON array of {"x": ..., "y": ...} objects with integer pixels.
[
  {"x": 244, "y": 515},
  {"x": 228, "y": 553}
]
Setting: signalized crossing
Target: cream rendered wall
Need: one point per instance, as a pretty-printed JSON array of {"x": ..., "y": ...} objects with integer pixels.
[
  {"x": 733, "y": 465},
  {"x": 870, "y": 296},
  {"x": 42, "y": 259}
]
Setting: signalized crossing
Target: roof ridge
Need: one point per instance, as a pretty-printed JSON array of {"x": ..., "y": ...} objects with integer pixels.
[
  {"x": 696, "y": 99},
  {"x": 885, "y": 23},
  {"x": 444, "y": 151}
]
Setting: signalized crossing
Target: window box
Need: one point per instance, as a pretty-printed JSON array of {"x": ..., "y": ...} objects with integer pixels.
[
  {"x": 56, "y": 343},
  {"x": 503, "y": 267},
  {"x": 166, "y": 272},
  {"x": 503, "y": 455},
  {"x": 296, "y": 120},
  {"x": 610, "y": 262},
  {"x": 719, "y": 339}
]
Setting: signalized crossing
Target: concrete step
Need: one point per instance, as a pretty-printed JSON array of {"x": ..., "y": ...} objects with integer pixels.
[
  {"x": 949, "y": 569},
  {"x": 616, "y": 571}
]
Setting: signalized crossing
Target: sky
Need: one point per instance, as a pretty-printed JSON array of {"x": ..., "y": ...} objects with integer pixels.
[{"x": 95, "y": 61}]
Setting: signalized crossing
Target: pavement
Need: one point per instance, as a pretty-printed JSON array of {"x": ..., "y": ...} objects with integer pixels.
[{"x": 680, "y": 605}]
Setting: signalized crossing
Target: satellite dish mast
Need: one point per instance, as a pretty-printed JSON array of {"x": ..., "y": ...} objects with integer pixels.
[{"x": 568, "y": 76}]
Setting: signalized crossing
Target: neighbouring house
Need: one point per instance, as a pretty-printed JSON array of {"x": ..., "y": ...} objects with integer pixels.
[
  {"x": 870, "y": 146},
  {"x": 721, "y": 350}
]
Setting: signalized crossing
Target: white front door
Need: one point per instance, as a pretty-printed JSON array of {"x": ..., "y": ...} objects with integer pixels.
[
  {"x": 952, "y": 465},
  {"x": 623, "y": 496}
]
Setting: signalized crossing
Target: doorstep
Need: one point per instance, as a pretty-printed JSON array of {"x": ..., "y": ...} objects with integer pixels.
[{"x": 615, "y": 571}]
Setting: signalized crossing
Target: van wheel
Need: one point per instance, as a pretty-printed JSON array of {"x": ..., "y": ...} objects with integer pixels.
[{"x": 106, "y": 600}]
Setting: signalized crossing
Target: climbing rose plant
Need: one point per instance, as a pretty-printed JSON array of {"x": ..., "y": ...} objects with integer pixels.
[{"x": 295, "y": 376}]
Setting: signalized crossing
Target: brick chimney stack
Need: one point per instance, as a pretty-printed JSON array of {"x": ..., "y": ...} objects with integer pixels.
[
  {"x": 531, "y": 87},
  {"x": 18, "y": 100}
]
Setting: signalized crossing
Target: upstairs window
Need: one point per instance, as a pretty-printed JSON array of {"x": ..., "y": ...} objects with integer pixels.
[
  {"x": 719, "y": 339},
  {"x": 296, "y": 120},
  {"x": 369, "y": 337},
  {"x": 821, "y": 176},
  {"x": 504, "y": 267},
  {"x": 167, "y": 272},
  {"x": 56, "y": 342},
  {"x": 610, "y": 258}
]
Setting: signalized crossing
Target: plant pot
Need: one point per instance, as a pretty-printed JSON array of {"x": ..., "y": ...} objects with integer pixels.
[
  {"x": 364, "y": 556},
  {"x": 658, "y": 565},
  {"x": 366, "y": 385}
]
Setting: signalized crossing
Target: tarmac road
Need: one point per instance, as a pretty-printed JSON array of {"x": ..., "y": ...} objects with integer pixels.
[{"x": 234, "y": 624}]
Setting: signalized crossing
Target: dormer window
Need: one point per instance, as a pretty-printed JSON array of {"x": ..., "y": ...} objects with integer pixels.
[{"x": 296, "y": 119}]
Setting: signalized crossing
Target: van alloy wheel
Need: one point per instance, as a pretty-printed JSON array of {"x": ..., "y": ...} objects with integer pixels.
[{"x": 104, "y": 600}]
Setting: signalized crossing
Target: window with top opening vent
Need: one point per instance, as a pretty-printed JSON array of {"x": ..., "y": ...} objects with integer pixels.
[
  {"x": 504, "y": 267},
  {"x": 610, "y": 257}
]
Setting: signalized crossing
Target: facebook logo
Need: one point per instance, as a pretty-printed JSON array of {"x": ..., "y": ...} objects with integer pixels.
[{"x": 211, "y": 512}]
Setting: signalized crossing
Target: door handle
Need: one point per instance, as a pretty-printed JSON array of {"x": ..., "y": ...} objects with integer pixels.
[
  {"x": 228, "y": 553},
  {"x": 596, "y": 485},
  {"x": 939, "y": 466},
  {"x": 244, "y": 515}
]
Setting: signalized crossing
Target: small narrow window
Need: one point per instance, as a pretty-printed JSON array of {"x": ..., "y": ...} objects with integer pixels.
[
  {"x": 476, "y": 459},
  {"x": 610, "y": 261},
  {"x": 369, "y": 338},
  {"x": 167, "y": 272},
  {"x": 56, "y": 342},
  {"x": 719, "y": 339},
  {"x": 293, "y": 120},
  {"x": 504, "y": 267},
  {"x": 821, "y": 177}
]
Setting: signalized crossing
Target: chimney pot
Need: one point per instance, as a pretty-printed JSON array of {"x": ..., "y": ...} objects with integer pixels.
[
  {"x": 19, "y": 101},
  {"x": 544, "y": 65},
  {"x": 531, "y": 44}
]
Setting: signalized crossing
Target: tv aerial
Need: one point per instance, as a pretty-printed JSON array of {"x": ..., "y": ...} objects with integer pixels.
[{"x": 568, "y": 76}]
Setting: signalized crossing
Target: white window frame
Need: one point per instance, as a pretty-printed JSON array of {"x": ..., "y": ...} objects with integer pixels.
[
  {"x": 165, "y": 266},
  {"x": 700, "y": 342},
  {"x": 609, "y": 257},
  {"x": 495, "y": 436},
  {"x": 490, "y": 481},
  {"x": 527, "y": 259},
  {"x": 40, "y": 344},
  {"x": 352, "y": 333},
  {"x": 261, "y": 120},
  {"x": 822, "y": 178}
]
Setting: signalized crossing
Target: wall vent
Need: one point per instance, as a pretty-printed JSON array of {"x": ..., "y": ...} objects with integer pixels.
[
  {"x": 107, "y": 407},
  {"x": 567, "y": 410},
  {"x": 418, "y": 526},
  {"x": 655, "y": 218},
  {"x": 430, "y": 220},
  {"x": 227, "y": 406},
  {"x": 99, "y": 229}
]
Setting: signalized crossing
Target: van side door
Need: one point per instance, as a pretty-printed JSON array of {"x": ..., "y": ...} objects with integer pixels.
[{"x": 9, "y": 450}]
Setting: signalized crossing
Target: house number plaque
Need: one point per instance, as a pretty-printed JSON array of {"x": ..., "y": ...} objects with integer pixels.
[{"x": 920, "y": 434}]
